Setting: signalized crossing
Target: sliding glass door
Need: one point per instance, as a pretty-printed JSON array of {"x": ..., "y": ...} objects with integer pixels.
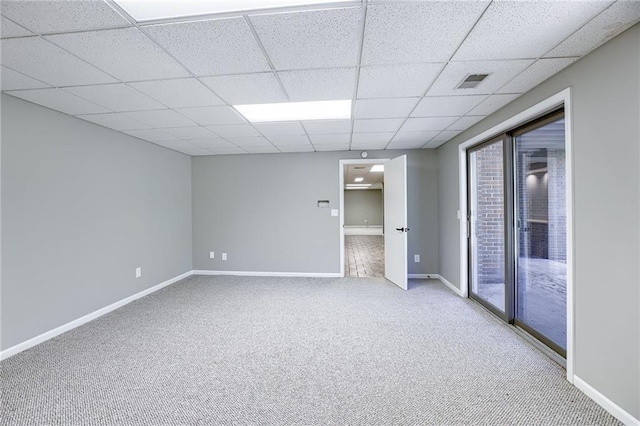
[
  {"x": 540, "y": 200},
  {"x": 486, "y": 225},
  {"x": 517, "y": 228}
]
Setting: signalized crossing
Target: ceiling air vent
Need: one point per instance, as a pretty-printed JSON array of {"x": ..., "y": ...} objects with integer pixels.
[
  {"x": 359, "y": 168},
  {"x": 472, "y": 81}
]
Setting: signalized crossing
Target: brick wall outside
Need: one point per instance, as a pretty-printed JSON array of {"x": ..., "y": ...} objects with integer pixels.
[{"x": 489, "y": 215}]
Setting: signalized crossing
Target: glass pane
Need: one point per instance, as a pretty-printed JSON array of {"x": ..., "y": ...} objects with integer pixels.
[
  {"x": 541, "y": 284},
  {"x": 487, "y": 265}
]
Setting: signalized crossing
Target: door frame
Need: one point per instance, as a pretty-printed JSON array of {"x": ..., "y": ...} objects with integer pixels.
[
  {"x": 341, "y": 164},
  {"x": 507, "y": 233},
  {"x": 561, "y": 99}
]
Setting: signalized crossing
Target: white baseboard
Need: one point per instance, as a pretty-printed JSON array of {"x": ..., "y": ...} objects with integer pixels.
[
  {"x": 363, "y": 230},
  {"x": 615, "y": 410},
  {"x": 85, "y": 319},
  {"x": 270, "y": 274},
  {"x": 455, "y": 289}
]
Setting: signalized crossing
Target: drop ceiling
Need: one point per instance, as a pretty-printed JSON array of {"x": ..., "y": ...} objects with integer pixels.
[
  {"x": 173, "y": 82},
  {"x": 363, "y": 171}
]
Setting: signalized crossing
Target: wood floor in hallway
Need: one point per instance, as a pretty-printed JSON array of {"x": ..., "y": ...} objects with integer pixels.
[{"x": 364, "y": 255}]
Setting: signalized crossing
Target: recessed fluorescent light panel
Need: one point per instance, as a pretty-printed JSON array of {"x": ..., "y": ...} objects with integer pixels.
[
  {"x": 357, "y": 186},
  {"x": 377, "y": 168},
  {"x": 151, "y": 10},
  {"x": 358, "y": 179},
  {"x": 295, "y": 111}
]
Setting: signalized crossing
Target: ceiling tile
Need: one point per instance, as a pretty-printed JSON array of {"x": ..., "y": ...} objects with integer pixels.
[
  {"x": 41, "y": 60},
  {"x": 385, "y": 108},
  {"x": 250, "y": 141},
  {"x": 115, "y": 121},
  {"x": 425, "y": 31},
  {"x": 406, "y": 144},
  {"x": 520, "y": 22},
  {"x": 200, "y": 46},
  {"x": 281, "y": 140},
  {"x": 492, "y": 104},
  {"x": 12, "y": 80},
  {"x": 465, "y": 122},
  {"x": 234, "y": 130},
  {"x": 256, "y": 141},
  {"x": 356, "y": 146},
  {"x": 228, "y": 151},
  {"x": 333, "y": 147},
  {"x": 124, "y": 53},
  {"x": 211, "y": 116},
  {"x": 414, "y": 136},
  {"x": 427, "y": 124},
  {"x": 215, "y": 143},
  {"x": 443, "y": 106},
  {"x": 163, "y": 118},
  {"x": 247, "y": 88},
  {"x": 151, "y": 135},
  {"x": 541, "y": 70},
  {"x": 48, "y": 16},
  {"x": 261, "y": 149},
  {"x": 328, "y": 139},
  {"x": 180, "y": 93},
  {"x": 383, "y": 137},
  {"x": 190, "y": 132},
  {"x": 10, "y": 29},
  {"x": 116, "y": 97},
  {"x": 377, "y": 125},
  {"x": 274, "y": 129},
  {"x": 441, "y": 138},
  {"x": 320, "y": 127},
  {"x": 59, "y": 100},
  {"x": 617, "y": 18},
  {"x": 500, "y": 72},
  {"x": 296, "y": 148},
  {"x": 319, "y": 85},
  {"x": 310, "y": 39},
  {"x": 392, "y": 81}
]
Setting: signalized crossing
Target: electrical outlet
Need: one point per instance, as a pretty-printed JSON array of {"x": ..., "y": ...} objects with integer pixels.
[
  {"x": 212, "y": 255},
  {"x": 224, "y": 256},
  {"x": 138, "y": 272},
  {"x": 416, "y": 258}
]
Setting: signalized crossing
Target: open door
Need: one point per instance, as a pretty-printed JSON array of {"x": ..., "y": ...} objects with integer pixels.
[{"x": 395, "y": 221}]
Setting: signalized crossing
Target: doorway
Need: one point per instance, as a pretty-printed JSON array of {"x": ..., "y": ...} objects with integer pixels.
[
  {"x": 517, "y": 228},
  {"x": 363, "y": 208},
  {"x": 395, "y": 219}
]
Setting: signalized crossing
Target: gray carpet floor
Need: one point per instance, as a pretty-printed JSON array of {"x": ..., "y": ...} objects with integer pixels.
[{"x": 242, "y": 350}]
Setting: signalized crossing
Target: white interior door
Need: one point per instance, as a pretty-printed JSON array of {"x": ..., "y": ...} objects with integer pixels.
[{"x": 395, "y": 221}]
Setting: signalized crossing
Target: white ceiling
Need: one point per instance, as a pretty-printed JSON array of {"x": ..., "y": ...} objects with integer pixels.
[
  {"x": 173, "y": 82},
  {"x": 353, "y": 171}
]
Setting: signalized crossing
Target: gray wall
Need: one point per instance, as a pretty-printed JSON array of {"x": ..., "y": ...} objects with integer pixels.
[
  {"x": 82, "y": 207},
  {"x": 262, "y": 211},
  {"x": 361, "y": 205},
  {"x": 606, "y": 159}
]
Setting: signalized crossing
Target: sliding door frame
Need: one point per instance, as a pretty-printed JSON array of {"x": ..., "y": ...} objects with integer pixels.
[
  {"x": 507, "y": 187},
  {"x": 559, "y": 100},
  {"x": 512, "y": 135}
]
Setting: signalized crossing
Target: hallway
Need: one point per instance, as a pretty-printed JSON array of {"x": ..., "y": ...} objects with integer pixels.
[{"x": 364, "y": 256}]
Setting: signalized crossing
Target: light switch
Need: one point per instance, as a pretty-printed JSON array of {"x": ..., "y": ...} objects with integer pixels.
[{"x": 334, "y": 212}]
